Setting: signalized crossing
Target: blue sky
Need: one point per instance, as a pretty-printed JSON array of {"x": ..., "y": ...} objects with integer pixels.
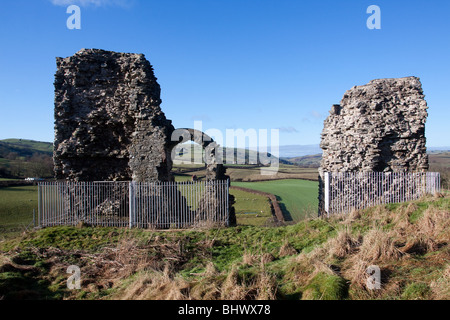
[{"x": 249, "y": 64}]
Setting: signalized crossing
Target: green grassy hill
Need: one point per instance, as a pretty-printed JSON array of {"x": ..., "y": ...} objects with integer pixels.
[
  {"x": 193, "y": 153},
  {"x": 436, "y": 158},
  {"x": 24, "y": 148},
  {"x": 309, "y": 161},
  {"x": 318, "y": 259},
  {"x": 21, "y": 158}
]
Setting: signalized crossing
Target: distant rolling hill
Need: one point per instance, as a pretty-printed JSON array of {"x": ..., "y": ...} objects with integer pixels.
[
  {"x": 309, "y": 161},
  {"x": 308, "y": 156},
  {"x": 293, "y": 151},
  {"x": 20, "y": 158},
  {"x": 24, "y": 148},
  {"x": 438, "y": 149},
  {"x": 436, "y": 157},
  {"x": 192, "y": 152},
  {"x": 441, "y": 159}
]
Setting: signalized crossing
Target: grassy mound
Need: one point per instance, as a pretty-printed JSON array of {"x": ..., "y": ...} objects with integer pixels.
[{"x": 313, "y": 259}]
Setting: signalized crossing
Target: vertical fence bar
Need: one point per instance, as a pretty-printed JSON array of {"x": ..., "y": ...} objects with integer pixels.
[
  {"x": 327, "y": 193},
  {"x": 438, "y": 177},
  {"x": 132, "y": 198},
  {"x": 39, "y": 204},
  {"x": 44, "y": 188}
]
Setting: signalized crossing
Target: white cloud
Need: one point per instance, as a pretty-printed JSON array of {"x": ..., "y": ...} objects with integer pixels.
[
  {"x": 316, "y": 114},
  {"x": 288, "y": 129},
  {"x": 94, "y": 3},
  {"x": 201, "y": 117}
]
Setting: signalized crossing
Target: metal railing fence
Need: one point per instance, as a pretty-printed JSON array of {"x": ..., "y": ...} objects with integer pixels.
[
  {"x": 346, "y": 191},
  {"x": 160, "y": 205}
]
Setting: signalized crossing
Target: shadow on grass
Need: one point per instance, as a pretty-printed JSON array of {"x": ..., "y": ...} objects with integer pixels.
[{"x": 286, "y": 214}]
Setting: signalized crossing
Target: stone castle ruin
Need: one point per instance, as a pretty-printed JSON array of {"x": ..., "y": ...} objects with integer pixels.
[
  {"x": 108, "y": 121},
  {"x": 109, "y": 125},
  {"x": 378, "y": 127}
]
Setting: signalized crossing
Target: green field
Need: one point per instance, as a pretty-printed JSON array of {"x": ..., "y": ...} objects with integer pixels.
[
  {"x": 251, "y": 209},
  {"x": 16, "y": 209},
  {"x": 248, "y": 173},
  {"x": 298, "y": 198}
]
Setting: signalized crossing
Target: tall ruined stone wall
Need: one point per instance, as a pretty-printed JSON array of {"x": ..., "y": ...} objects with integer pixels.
[
  {"x": 108, "y": 120},
  {"x": 109, "y": 126},
  {"x": 378, "y": 127}
]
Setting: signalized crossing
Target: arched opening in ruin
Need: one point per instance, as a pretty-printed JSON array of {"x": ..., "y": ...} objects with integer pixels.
[
  {"x": 195, "y": 156},
  {"x": 188, "y": 162}
]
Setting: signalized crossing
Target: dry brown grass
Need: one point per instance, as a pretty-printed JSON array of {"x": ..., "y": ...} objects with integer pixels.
[
  {"x": 156, "y": 286},
  {"x": 263, "y": 287},
  {"x": 312, "y": 263},
  {"x": 386, "y": 247},
  {"x": 266, "y": 257},
  {"x": 378, "y": 245},
  {"x": 392, "y": 240},
  {"x": 250, "y": 258},
  {"x": 377, "y": 248},
  {"x": 266, "y": 286},
  {"x": 231, "y": 289},
  {"x": 354, "y": 215},
  {"x": 287, "y": 250},
  {"x": 382, "y": 245},
  {"x": 256, "y": 259},
  {"x": 343, "y": 244},
  {"x": 212, "y": 285},
  {"x": 441, "y": 287},
  {"x": 419, "y": 244},
  {"x": 428, "y": 234},
  {"x": 401, "y": 218},
  {"x": 435, "y": 223}
]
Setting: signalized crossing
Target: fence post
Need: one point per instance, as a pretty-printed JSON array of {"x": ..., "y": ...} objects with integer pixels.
[
  {"x": 132, "y": 203},
  {"x": 327, "y": 193},
  {"x": 39, "y": 204},
  {"x": 227, "y": 200},
  {"x": 438, "y": 181}
]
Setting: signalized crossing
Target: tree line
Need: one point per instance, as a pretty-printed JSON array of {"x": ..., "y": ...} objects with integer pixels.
[{"x": 15, "y": 166}]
